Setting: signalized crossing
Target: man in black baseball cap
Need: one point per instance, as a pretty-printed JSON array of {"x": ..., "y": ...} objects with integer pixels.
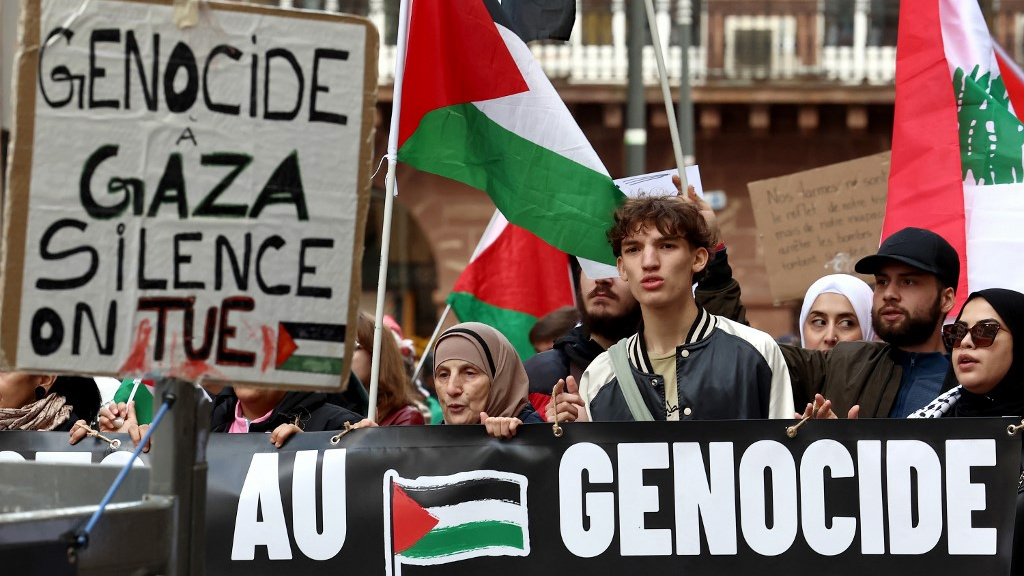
[
  {"x": 922, "y": 249},
  {"x": 916, "y": 273}
]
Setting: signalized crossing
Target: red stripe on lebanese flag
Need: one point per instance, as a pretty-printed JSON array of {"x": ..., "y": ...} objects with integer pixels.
[
  {"x": 455, "y": 55},
  {"x": 1013, "y": 77},
  {"x": 925, "y": 181}
]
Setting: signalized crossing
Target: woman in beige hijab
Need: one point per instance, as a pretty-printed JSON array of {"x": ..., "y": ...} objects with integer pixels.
[{"x": 480, "y": 379}]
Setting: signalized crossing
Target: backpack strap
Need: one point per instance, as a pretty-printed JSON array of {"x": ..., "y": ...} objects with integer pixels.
[{"x": 627, "y": 383}]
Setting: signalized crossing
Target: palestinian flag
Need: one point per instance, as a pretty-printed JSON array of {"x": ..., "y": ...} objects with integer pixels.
[
  {"x": 143, "y": 398},
  {"x": 440, "y": 519},
  {"x": 514, "y": 279},
  {"x": 477, "y": 108},
  {"x": 310, "y": 347},
  {"x": 957, "y": 165}
]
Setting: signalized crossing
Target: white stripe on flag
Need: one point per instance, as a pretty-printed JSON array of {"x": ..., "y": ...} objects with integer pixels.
[
  {"x": 994, "y": 216},
  {"x": 319, "y": 348},
  {"x": 479, "y": 511},
  {"x": 965, "y": 38},
  {"x": 549, "y": 123}
]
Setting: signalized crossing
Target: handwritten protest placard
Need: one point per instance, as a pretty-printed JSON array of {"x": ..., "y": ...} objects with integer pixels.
[
  {"x": 188, "y": 202},
  {"x": 819, "y": 222}
]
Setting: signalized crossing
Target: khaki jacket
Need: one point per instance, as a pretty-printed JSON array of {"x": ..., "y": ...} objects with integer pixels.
[{"x": 864, "y": 373}]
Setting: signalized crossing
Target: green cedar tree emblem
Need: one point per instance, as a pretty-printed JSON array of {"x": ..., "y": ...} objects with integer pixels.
[{"x": 991, "y": 137}]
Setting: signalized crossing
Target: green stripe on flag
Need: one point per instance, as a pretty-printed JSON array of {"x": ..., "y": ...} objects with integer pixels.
[
  {"x": 313, "y": 364},
  {"x": 563, "y": 202},
  {"x": 465, "y": 537},
  {"x": 514, "y": 325}
]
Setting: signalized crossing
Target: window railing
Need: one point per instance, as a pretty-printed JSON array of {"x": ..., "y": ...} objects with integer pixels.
[{"x": 848, "y": 42}]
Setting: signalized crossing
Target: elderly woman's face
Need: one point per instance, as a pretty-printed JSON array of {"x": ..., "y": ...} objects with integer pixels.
[
  {"x": 979, "y": 369},
  {"x": 17, "y": 389},
  {"x": 462, "y": 388}
]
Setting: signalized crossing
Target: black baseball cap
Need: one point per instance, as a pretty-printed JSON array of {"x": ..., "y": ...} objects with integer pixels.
[{"x": 919, "y": 248}]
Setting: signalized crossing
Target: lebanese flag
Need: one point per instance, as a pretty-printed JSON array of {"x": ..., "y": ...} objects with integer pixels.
[
  {"x": 477, "y": 108},
  {"x": 957, "y": 164},
  {"x": 514, "y": 279}
]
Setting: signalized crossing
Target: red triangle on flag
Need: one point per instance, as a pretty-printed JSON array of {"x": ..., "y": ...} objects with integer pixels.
[
  {"x": 409, "y": 520},
  {"x": 455, "y": 55},
  {"x": 1013, "y": 78},
  {"x": 285, "y": 345}
]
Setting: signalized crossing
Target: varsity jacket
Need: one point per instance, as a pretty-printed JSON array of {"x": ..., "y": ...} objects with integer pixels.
[{"x": 724, "y": 371}]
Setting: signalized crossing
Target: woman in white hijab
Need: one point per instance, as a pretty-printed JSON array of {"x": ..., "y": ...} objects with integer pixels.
[{"x": 836, "y": 308}]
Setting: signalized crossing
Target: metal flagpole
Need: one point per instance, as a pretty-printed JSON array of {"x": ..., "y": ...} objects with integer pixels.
[
  {"x": 430, "y": 343},
  {"x": 389, "y": 203},
  {"x": 673, "y": 129}
]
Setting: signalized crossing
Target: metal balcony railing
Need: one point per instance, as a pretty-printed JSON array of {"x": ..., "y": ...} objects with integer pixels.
[{"x": 847, "y": 42}]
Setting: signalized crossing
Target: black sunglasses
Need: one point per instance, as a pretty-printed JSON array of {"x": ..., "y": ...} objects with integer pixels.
[{"x": 982, "y": 334}]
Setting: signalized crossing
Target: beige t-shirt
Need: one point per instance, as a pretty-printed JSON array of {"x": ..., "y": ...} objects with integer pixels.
[{"x": 665, "y": 366}]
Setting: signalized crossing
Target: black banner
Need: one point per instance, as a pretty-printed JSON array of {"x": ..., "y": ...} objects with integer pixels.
[{"x": 852, "y": 497}]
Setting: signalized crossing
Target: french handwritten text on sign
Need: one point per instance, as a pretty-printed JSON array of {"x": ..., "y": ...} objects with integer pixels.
[
  {"x": 188, "y": 202},
  {"x": 819, "y": 222}
]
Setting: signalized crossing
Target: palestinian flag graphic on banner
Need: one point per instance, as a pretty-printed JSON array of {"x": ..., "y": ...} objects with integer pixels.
[
  {"x": 434, "y": 520},
  {"x": 513, "y": 280},
  {"x": 957, "y": 163},
  {"x": 310, "y": 347},
  {"x": 476, "y": 107}
]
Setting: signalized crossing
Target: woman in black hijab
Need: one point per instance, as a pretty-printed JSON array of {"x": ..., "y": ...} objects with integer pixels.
[{"x": 990, "y": 369}]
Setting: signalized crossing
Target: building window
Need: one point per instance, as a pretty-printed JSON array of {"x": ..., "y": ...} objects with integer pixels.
[
  {"x": 882, "y": 21},
  {"x": 391, "y": 22},
  {"x": 358, "y": 7},
  {"x": 596, "y": 25},
  {"x": 839, "y": 22}
]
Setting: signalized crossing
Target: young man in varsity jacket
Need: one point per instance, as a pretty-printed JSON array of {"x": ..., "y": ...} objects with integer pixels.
[{"x": 684, "y": 363}]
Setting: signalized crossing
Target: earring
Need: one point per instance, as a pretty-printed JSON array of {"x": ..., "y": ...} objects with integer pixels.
[{"x": 40, "y": 392}]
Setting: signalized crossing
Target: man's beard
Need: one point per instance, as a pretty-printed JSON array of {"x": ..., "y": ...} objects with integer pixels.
[
  {"x": 613, "y": 328},
  {"x": 912, "y": 331}
]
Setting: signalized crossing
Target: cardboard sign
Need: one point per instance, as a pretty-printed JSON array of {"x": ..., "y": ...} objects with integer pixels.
[
  {"x": 819, "y": 222},
  {"x": 188, "y": 202}
]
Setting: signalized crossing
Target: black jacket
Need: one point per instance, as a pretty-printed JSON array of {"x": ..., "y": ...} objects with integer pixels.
[
  {"x": 717, "y": 292},
  {"x": 570, "y": 356},
  {"x": 313, "y": 411}
]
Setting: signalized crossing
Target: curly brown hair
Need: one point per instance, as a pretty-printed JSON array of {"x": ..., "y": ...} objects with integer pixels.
[{"x": 671, "y": 215}]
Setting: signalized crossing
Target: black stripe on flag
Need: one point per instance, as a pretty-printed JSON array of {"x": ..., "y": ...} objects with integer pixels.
[
  {"x": 465, "y": 491},
  {"x": 541, "y": 19},
  {"x": 318, "y": 332},
  {"x": 498, "y": 14}
]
